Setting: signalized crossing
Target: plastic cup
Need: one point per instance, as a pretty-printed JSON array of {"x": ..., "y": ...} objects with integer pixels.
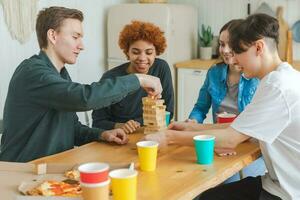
[
  {"x": 99, "y": 191},
  {"x": 124, "y": 184},
  {"x": 168, "y": 118},
  {"x": 147, "y": 151},
  {"x": 93, "y": 173},
  {"x": 204, "y": 147},
  {"x": 225, "y": 118}
]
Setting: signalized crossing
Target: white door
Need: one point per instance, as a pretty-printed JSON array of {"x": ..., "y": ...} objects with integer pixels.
[{"x": 189, "y": 83}]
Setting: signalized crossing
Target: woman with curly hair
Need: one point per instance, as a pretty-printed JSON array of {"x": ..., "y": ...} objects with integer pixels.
[{"x": 141, "y": 42}]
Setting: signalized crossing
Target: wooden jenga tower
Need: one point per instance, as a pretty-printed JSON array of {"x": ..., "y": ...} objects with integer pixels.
[{"x": 154, "y": 115}]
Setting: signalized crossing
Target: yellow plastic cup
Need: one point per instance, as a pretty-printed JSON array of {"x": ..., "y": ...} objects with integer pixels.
[
  {"x": 124, "y": 184},
  {"x": 147, "y": 151}
]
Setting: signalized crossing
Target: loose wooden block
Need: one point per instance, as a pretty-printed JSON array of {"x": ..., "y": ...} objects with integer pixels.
[{"x": 41, "y": 168}]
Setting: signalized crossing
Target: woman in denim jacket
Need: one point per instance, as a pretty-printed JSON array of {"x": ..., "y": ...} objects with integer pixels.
[
  {"x": 215, "y": 89},
  {"x": 226, "y": 90}
]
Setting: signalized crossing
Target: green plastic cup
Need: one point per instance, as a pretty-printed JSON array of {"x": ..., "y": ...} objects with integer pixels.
[
  {"x": 168, "y": 118},
  {"x": 204, "y": 147}
]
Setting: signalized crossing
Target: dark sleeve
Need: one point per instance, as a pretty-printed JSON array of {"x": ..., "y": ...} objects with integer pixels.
[
  {"x": 139, "y": 119},
  {"x": 203, "y": 102},
  {"x": 102, "y": 118},
  {"x": 168, "y": 91},
  {"x": 85, "y": 134},
  {"x": 48, "y": 89}
]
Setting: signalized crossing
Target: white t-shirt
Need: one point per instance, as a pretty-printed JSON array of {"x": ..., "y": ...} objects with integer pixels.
[{"x": 273, "y": 117}]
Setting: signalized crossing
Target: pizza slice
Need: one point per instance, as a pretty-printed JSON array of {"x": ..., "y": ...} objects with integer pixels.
[
  {"x": 56, "y": 188},
  {"x": 73, "y": 174}
]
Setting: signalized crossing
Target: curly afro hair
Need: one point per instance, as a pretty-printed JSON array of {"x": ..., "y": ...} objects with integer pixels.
[{"x": 139, "y": 30}]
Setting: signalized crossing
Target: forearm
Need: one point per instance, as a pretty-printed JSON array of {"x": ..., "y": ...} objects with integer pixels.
[
  {"x": 225, "y": 138},
  {"x": 202, "y": 127},
  {"x": 85, "y": 134},
  {"x": 182, "y": 138},
  {"x": 70, "y": 96},
  {"x": 104, "y": 124}
]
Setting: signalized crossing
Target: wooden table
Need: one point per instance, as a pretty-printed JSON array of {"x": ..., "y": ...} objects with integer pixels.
[{"x": 177, "y": 175}]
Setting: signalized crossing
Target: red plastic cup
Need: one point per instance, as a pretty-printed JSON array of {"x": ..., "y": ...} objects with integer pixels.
[
  {"x": 225, "y": 118},
  {"x": 92, "y": 173}
]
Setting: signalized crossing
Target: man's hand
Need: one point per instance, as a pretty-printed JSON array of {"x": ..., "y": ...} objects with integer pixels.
[
  {"x": 151, "y": 85},
  {"x": 115, "y": 135},
  {"x": 182, "y": 126},
  {"x": 191, "y": 121},
  {"x": 128, "y": 127},
  {"x": 159, "y": 137}
]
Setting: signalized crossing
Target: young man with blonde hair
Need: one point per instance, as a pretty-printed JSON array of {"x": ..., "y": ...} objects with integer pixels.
[{"x": 40, "y": 110}]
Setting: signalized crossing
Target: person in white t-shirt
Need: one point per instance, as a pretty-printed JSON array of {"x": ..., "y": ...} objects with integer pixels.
[{"x": 273, "y": 116}]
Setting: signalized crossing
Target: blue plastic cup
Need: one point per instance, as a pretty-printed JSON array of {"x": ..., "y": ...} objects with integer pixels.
[
  {"x": 168, "y": 118},
  {"x": 204, "y": 147}
]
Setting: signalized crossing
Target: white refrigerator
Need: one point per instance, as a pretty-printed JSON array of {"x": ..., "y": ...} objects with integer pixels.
[{"x": 179, "y": 22}]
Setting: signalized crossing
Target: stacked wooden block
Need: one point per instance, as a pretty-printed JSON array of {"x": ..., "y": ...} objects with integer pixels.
[{"x": 154, "y": 115}]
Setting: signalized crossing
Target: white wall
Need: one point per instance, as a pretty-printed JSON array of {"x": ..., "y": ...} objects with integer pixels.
[
  {"x": 217, "y": 12},
  {"x": 91, "y": 62}
]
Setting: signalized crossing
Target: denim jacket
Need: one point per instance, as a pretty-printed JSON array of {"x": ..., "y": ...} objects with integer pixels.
[{"x": 214, "y": 91}]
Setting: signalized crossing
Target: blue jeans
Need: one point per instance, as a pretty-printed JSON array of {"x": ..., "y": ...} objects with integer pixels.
[{"x": 257, "y": 168}]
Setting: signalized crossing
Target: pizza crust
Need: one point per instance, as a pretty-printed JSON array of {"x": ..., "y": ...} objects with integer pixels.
[{"x": 56, "y": 188}]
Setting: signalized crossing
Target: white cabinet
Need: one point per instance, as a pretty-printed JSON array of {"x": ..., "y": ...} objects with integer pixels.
[{"x": 189, "y": 81}]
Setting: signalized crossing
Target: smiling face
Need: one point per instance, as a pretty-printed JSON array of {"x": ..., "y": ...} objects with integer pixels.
[
  {"x": 226, "y": 52},
  {"x": 67, "y": 41},
  {"x": 141, "y": 55},
  {"x": 224, "y": 49}
]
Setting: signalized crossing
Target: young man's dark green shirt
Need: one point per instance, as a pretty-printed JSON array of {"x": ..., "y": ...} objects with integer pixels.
[{"x": 40, "y": 109}]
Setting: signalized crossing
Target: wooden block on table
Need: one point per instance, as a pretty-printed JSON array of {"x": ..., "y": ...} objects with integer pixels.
[{"x": 41, "y": 168}]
